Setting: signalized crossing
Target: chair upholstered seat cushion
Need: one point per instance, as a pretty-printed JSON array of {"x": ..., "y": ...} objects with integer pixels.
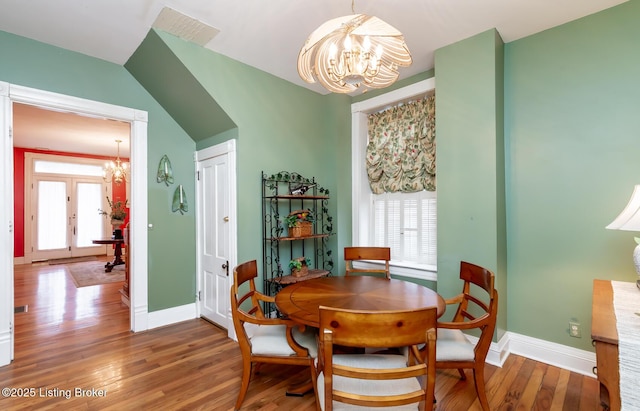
[
  {"x": 369, "y": 387},
  {"x": 271, "y": 340},
  {"x": 452, "y": 345}
]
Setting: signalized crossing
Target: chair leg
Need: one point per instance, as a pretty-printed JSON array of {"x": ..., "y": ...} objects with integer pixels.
[
  {"x": 463, "y": 376},
  {"x": 314, "y": 382},
  {"x": 244, "y": 384},
  {"x": 478, "y": 379}
]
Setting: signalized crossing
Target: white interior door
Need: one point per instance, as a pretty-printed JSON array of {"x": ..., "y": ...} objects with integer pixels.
[{"x": 213, "y": 239}]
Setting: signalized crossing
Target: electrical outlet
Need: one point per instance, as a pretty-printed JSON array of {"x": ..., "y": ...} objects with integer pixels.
[{"x": 574, "y": 329}]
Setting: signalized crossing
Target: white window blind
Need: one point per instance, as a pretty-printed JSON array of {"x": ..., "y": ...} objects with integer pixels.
[{"x": 406, "y": 222}]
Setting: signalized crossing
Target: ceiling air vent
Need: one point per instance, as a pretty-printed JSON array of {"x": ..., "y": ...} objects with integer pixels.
[{"x": 185, "y": 27}]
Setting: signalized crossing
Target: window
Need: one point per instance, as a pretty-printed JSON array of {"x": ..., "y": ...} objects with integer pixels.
[
  {"x": 406, "y": 222},
  {"x": 69, "y": 168}
]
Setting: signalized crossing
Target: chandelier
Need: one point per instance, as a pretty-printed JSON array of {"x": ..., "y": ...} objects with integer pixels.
[
  {"x": 115, "y": 171},
  {"x": 350, "y": 52}
]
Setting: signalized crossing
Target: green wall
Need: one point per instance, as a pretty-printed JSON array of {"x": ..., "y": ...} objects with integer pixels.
[
  {"x": 570, "y": 145},
  {"x": 470, "y": 163},
  {"x": 171, "y": 263},
  {"x": 339, "y": 111},
  {"x": 156, "y": 68},
  {"x": 573, "y": 146},
  {"x": 280, "y": 126}
]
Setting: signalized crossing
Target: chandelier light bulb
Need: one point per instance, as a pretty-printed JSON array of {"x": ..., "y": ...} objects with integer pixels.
[
  {"x": 366, "y": 44},
  {"x": 333, "y": 51},
  {"x": 115, "y": 171},
  {"x": 347, "y": 43}
]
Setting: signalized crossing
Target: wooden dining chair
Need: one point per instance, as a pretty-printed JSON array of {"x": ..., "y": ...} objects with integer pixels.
[
  {"x": 352, "y": 254},
  {"x": 262, "y": 339},
  {"x": 473, "y": 311},
  {"x": 376, "y": 380}
]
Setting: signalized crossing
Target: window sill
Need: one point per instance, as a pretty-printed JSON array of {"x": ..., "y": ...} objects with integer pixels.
[{"x": 417, "y": 271}]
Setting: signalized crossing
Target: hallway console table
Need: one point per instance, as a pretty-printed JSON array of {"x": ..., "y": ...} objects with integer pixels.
[{"x": 117, "y": 260}]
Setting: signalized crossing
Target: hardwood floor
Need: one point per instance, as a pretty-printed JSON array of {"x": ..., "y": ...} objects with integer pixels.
[{"x": 78, "y": 339}]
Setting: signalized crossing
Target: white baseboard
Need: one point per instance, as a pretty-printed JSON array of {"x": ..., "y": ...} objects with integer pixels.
[
  {"x": 18, "y": 260},
  {"x": 5, "y": 347},
  {"x": 172, "y": 315},
  {"x": 558, "y": 355}
]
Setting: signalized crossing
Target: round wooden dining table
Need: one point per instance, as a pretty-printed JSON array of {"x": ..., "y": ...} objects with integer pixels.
[{"x": 301, "y": 301}]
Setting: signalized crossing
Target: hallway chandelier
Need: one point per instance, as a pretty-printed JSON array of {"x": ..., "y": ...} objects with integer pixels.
[
  {"x": 354, "y": 51},
  {"x": 115, "y": 170}
]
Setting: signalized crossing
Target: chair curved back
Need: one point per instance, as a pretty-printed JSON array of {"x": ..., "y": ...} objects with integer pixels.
[
  {"x": 352, "y": 254},
  {"x": 376, "y": 380},
  {"x": 262, "y": 339},
  {"x": 474, "y": 311},
  {"x": 246, "y": 273}
]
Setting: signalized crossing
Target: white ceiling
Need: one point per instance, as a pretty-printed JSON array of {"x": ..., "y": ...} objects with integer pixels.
[
  {"x": 269, "y": 34},
  {"x": 42, "y": 129}
]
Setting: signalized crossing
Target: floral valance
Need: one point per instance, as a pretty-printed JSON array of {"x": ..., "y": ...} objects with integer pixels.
[{"x": 401, "y": 153}]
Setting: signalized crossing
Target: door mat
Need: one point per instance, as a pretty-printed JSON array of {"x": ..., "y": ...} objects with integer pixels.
[
  {"x": 92, "y": 273},
  {"x": 71, "y": 260}
]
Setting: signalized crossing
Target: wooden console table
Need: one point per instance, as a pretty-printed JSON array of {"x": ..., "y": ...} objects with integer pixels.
[
  {"x": 117, "y": 260},
  {"x": 605, "y": 338}
]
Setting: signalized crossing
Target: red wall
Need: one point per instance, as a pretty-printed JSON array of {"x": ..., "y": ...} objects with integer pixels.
[
  {"x": 119, "y": 192},
  {"x": 18, "y": 202}
]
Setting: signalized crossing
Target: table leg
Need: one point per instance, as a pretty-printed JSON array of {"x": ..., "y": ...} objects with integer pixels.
[
  {"x": 117, "y": 260},
  {"x": 299, "y": 389}
]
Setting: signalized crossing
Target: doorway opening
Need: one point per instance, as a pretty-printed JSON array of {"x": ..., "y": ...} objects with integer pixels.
[{"x": 10, "y": 94}]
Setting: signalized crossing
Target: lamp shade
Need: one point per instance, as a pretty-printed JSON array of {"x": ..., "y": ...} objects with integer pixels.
[{"x": 629, "y": 218}]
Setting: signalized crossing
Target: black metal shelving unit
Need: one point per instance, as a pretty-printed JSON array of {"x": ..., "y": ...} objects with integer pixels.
[{"x": 283, "y": 193}]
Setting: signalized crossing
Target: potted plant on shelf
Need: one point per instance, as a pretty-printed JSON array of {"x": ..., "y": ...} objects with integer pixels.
[
  {"x": 118, "y": 211},
  {"x": 300, "y": 223},
  {"x": 299, "y": 266}
]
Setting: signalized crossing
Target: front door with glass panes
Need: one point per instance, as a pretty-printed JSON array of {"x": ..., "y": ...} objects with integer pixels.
[{"x": 65, "y": 214}]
